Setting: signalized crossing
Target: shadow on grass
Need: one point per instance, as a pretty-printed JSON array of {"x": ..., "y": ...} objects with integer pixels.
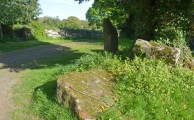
[
  {"x": 38, "y": 57},
  {"x": 48, "y": 56},
  {"x": 49, "y": 89},
  {"x": 88, "y": 40},
  {"x": 45, "y": 56},
  {"x": 98, "y": 51},
  {"x": 45, "y": 103},
  {"x": 17, "y": 45}
]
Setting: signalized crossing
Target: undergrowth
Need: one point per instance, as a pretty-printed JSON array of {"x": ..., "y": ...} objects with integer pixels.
[{"x": 146, "y": 88}]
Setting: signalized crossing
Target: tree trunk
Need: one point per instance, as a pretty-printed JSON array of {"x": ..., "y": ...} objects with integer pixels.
[{"x": 1, "y": 32}]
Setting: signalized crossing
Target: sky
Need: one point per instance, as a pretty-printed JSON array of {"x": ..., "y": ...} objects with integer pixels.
[{"x": 64, "y": 8}]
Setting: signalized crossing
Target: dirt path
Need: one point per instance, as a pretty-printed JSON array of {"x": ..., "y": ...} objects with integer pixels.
[{"x": 11, "y": 65}]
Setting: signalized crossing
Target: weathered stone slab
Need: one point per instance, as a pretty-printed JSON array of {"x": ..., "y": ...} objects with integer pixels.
[
  {"x": 153, "y": 50},
  {"x": 86, "y": 93},
  {"x": 110, "y": 36}
]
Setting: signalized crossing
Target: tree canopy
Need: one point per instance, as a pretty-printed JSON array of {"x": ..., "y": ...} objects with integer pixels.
[
  {"x": 73, "y": 22},
  {"x": 50, "y": 22},
  {"x": 147, "y": 19},
  {"x": 18, "y": 11}
]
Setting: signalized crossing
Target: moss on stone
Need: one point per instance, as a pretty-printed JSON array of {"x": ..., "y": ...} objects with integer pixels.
[
  {"x": 155, "y": 50},
  {"x": 91, "y": 90}
]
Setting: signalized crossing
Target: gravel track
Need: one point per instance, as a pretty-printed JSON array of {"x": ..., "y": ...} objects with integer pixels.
[{"x": 11, "y": 65}]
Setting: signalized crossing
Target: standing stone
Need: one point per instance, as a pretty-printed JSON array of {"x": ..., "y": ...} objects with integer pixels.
[{"x": 110, "y": 36}]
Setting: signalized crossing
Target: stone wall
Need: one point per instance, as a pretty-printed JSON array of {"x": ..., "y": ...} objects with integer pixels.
[{"x": 72, "y": 33}]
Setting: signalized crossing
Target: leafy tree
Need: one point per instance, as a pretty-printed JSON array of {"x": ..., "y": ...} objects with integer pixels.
[
  {"x": 56, "y": 23},
  {"x": 147, "y": 19},
  {"x": 18, "y": 11},
  {"x": 93, "y": 16},
  {"x": 84, "y": 24},
  {"x": 105, "y": 9},
  {"x": 73, "y": 22},
  {"x": 38, "y": 29},
  {"x": 51, "y": 22}
]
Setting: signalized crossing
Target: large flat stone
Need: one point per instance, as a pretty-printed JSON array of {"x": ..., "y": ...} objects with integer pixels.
[{"x": 86, "y": 93}]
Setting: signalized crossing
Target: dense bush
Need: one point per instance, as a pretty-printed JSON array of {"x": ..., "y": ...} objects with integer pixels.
[
  {"x": 37, "y": 28},
  {"x": 104, "y": 60}
]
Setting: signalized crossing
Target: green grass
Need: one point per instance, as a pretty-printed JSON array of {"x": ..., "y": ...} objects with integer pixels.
[
  {"x": 17, "y": 45},
  {"x": 10, "y": 46},
  {"x": 145, "y": 89},
  {"x": 36, "y": 95}
]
